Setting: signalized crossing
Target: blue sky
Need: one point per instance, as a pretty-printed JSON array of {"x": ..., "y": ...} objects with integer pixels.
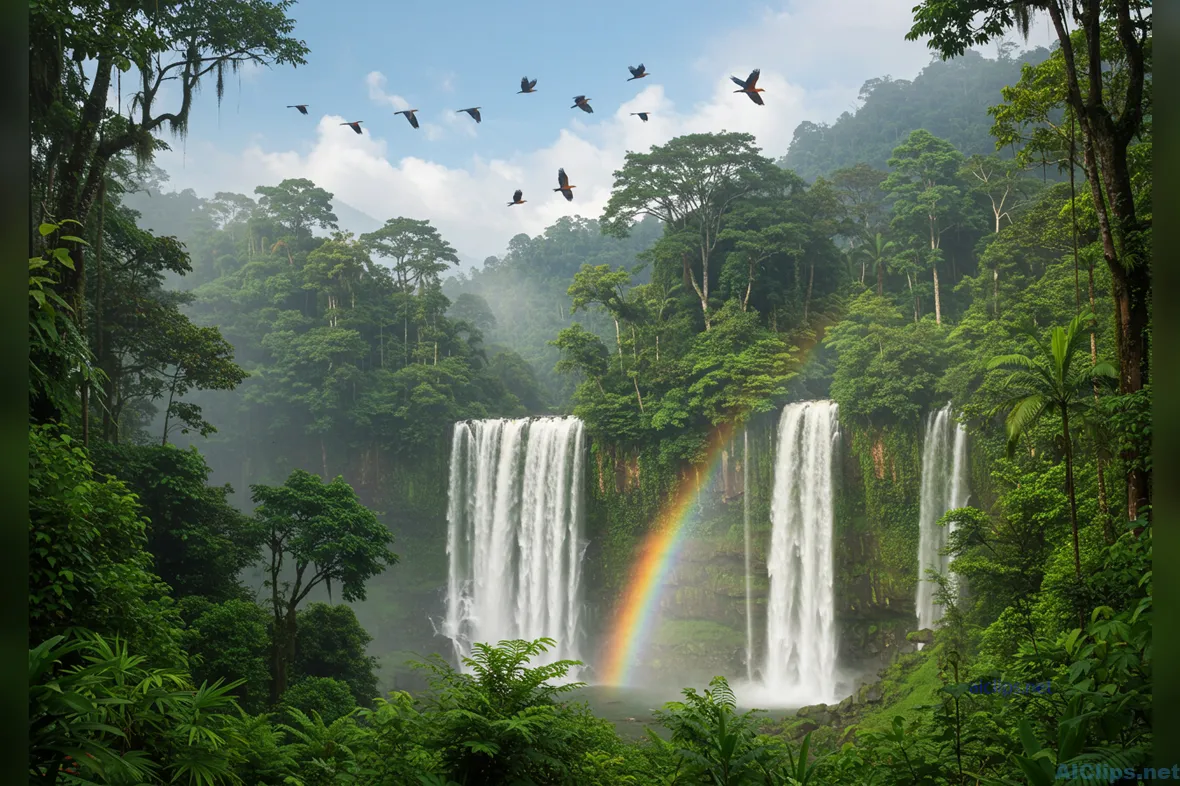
[{"x": 370, "y": 58}]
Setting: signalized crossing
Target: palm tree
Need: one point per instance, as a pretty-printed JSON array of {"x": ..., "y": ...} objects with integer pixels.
[
  {"x": 1050, "y": 381},
  {"x": 876, "y": 252}
]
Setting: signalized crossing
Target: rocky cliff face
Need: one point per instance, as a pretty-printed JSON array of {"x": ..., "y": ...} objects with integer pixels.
[{"x": 701, "y": 626}]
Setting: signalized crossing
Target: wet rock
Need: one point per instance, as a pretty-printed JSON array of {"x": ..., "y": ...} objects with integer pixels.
[
  {"x": 805, "y": 727},
  {"x": 870, "y": 694},
  {"x": 924, "y": 636},
  {"x": 845, "y": 706},
  {"x": 819, "y": 713}
]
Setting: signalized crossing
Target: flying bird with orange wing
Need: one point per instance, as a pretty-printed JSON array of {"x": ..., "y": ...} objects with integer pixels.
[
  {"x": 516, "y": 198},
  {"x": 750, "y": 87},
  {"x": 641, "y": 115},
  {"x": 301, "y": 107},
  {"x": 473, "y": 111},
  {"x": 637, "y": 72},
  {"x": 563, "y": 185},
  {"x": 583, "y": 103},
  {"x": 355, "y": 125},
  {"x": 527, "y": 85}
]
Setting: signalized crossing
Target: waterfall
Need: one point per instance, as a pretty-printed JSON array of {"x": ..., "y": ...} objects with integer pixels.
[
  {"x": 514, "y": 533},
  {"x": 800, "y": 631},
  {"x": 746, "y": 533},
  {"x": 944, "y": 487}
]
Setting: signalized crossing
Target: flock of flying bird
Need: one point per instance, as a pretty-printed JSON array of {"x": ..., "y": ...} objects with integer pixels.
[{"x": 749, "y": 86}]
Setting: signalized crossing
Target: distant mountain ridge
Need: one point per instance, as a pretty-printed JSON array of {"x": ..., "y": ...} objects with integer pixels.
[{"x": 949, "y": 99}]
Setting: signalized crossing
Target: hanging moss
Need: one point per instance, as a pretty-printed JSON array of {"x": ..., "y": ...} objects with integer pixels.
[{"x": 877, "y": 527}]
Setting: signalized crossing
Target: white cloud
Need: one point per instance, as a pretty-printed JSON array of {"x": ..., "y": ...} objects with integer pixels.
[{"x": 831, "y": 48}]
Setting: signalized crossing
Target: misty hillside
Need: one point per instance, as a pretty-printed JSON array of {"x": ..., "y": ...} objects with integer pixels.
[{"x": 950, "y": 99}]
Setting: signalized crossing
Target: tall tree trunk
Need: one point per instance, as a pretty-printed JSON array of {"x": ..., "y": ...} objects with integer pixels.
[
  {"x": 1073, "y": 503},
  {"x": 638, "y": 397},
  {"x": 1104, "y": 152},
  {"x": 701, "y": 289},
  {"x": 880, "y": 279},
  {"x": 324, "y": 457},
  {"x": 807, "y": 300},
  {"x": 937, "y": 298},
  {"x": 79, "y": 181},
  {"x": 618, "y": 342},
  {"x": 913, "y": 298},
  {"x": 749, "y": 286}
]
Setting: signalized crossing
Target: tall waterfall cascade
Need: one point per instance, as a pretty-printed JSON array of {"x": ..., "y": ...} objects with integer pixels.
[
  {"x": 800, "y": 664},
  {"x": 746, "y": 536},
  {"x": 944, "y": 487},
  {"x": 514, "y": 533}
]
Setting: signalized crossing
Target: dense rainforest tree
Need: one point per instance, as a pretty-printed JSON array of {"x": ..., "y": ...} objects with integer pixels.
[
  {"x": 199, "y": 541},
  {"x": 1051, "y": 381},
  {"x": 689, "y": 185},
  {"x": 316, "y": 533},
  {"x": 539, "y": 270},
  {"x": 928, "y": 200},
  {"x": 1107, "y": 88},
  {"x": 80, "y": 52}
]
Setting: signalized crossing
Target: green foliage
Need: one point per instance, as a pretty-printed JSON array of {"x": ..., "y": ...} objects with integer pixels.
[
  {"x": 331, "y": 644},
  {"x": 328, "y": 698},
  {"x": 200, "y": 543},
  {"x": 737, "y": 368},
  {"x": 231, "y": 641},
  {"x": 886, "y": 369},
  {"x": 298, "y": 206},
  {"x": 57, "y": 347},
  {"x": 327, "y": 535},
  {"x": 111, "y": 718},
  {"x": 502, "y": 722},
  {"x": 87, "y": 552}
]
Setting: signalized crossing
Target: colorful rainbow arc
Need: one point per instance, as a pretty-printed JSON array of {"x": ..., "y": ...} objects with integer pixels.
[{"x": 656, "y": 556}]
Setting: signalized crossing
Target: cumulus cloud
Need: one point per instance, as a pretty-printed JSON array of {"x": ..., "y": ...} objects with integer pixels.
[
  {"x": 376, "y": 82},
  {"x": 814, "y": 58}
]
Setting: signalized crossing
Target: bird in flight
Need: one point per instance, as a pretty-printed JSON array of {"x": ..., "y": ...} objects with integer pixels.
[
  {"x": 301, "y": 107},
  {"x": 516, "y": 198},
  {"x": 750, "y": 86},
  {"x": 637, "y": 72},
  {"x": 641, "y": 115},
  {"x": 355, "y": 124},
  {"x": 563, "y": 183},
  {"x": 583, "y": 103},
  {"x": 473, "y": 111},
  {"x": 527, "y": 86},
  {"x": 409, "y": 113}
]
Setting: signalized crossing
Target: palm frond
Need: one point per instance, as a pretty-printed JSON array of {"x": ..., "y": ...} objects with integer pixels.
[
  {"x": 1012, "y": 361},
  {"x": 1024, "y": 414}
]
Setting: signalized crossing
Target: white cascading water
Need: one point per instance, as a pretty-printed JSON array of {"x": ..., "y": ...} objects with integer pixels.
[
  {"x": 944, "y": 487},
  {"x": 746, "y": 533},
  {"x": 800, "y": 662},
  {"x": 514, "y": 534}
]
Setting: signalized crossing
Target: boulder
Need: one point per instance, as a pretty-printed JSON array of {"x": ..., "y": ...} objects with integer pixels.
[
  {"x": 924, "y": 636},
  {"x": 818, "y": 713}
]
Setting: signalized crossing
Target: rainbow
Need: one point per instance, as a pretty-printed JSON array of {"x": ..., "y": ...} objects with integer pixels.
[{"x": 657, "y": 554}]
